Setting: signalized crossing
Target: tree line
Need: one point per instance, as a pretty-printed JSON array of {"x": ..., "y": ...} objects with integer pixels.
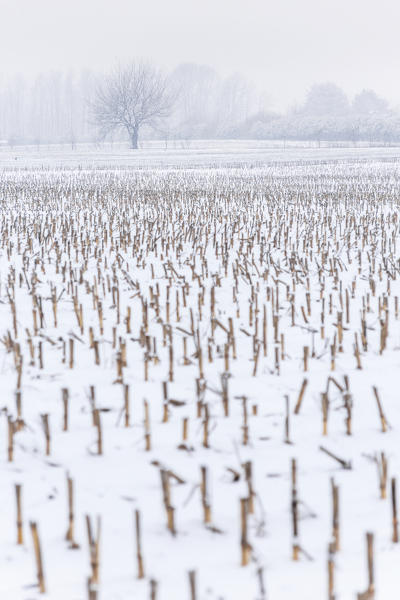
[{"x": 138, "y": 101}]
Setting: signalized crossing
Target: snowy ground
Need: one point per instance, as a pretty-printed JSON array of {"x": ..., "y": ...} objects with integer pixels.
[
  {"x": 186, "y": 250},
  {"x": 191, "y": 154}
]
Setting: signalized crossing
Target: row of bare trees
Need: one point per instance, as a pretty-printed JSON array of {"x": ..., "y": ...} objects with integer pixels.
[
  {"x": 192, "y": 102},
  {"x": 51, "y": 107}
]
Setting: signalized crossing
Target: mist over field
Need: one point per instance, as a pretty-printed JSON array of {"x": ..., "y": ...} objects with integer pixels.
[
  {"x": 199, "y": 300},
  {"x": 321, "y": 71}
]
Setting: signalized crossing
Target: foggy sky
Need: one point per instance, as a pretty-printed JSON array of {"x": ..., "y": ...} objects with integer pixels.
[{"x": 282, "y": 45}]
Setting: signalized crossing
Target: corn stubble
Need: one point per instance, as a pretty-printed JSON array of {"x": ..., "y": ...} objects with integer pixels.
[{"x": 211, "y": 308}]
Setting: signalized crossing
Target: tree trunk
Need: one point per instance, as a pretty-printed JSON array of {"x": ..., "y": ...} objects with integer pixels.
[{"x": 134, "y": 138}]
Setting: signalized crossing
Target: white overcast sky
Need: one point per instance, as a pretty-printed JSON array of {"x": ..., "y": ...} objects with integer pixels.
[{"x": 282, "y": 45}]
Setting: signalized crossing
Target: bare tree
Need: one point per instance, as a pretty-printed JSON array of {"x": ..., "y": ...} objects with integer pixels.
[{"x": 129, "y": 97}]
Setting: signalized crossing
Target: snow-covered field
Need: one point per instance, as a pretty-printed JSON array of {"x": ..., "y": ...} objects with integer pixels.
[
  {"x": 185, "y": 154},
  {"x": 201, "y": 300}
]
